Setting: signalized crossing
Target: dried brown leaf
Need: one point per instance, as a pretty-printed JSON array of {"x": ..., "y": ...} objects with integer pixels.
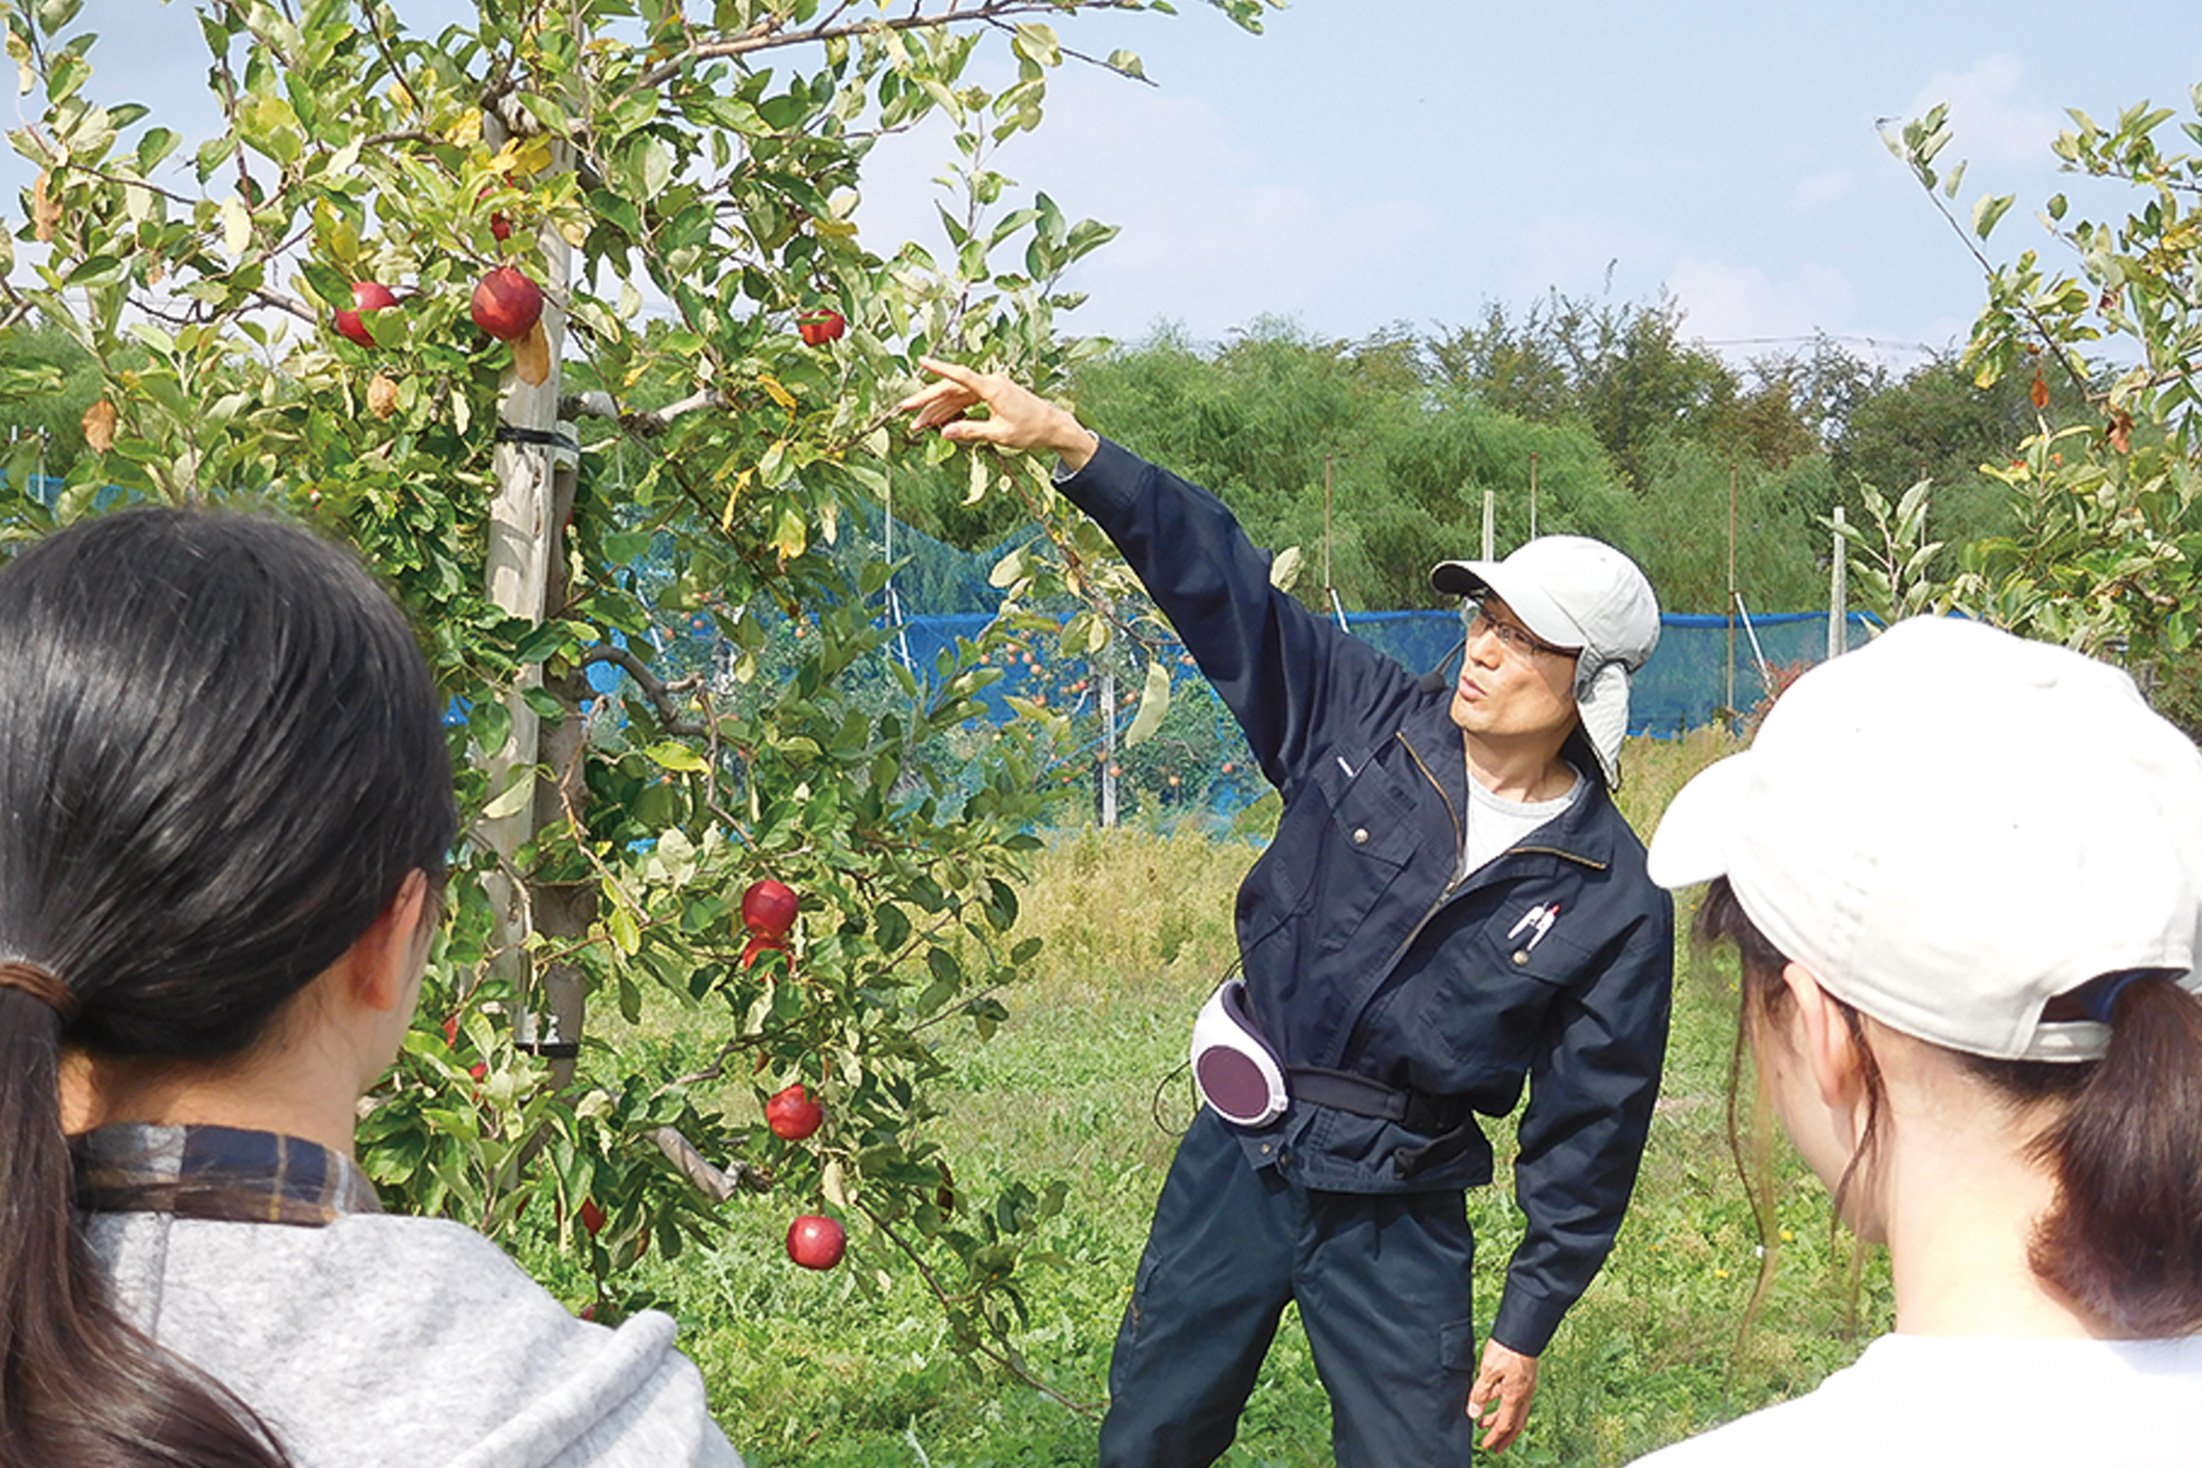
[
  {"x": 99, "y": 426},
  {"x": 531, "y": 356},
  {"x": 45, "y": 208},
  {"x": 382, "y": 395}
]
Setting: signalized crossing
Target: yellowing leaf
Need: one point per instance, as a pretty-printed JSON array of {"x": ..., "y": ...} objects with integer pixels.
[
  {"x": 1285, "y": 570},
  {"x": 382, "y": 396},
  {"x": 835, "y": 229},
  {"x": 468, "y": 129},
  {"x": 790, "y": 536},
  {"x": 619, "y": 925},
  {"x": 741, "y": 482},
  {"x": 236, "y": 225},
  {"x": 515, "y": 797},
  {"x": 1154, "y": 702},
  {"x": 775, "y": 391},
  {"x": 834, "y": 1185},
  {"x": 535, "y": 153},
  {"x": 99, "y": 426}
]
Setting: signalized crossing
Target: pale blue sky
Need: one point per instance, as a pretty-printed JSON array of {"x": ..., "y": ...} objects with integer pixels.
[{"x": 1377, "y": 161}]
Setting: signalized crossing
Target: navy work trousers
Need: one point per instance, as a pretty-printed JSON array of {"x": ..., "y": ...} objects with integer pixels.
[{"x": 1383, "y": 1286}]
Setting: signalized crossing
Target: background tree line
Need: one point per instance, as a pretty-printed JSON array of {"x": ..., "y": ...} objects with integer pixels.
[{"x": 1635, "y": 430}]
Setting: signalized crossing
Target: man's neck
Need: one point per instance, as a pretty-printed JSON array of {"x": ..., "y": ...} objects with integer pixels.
[{"x": 1527, "y": 770}]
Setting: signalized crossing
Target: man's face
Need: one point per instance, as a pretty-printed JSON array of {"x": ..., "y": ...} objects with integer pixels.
[{"x": 1511, "y": 688}]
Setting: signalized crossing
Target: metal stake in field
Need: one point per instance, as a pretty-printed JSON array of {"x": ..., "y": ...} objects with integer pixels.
[
  {"x": 1731, "y": 675},
  {"x": 1108, "y": 747},
  {"x": 1330, "y": 592},
  {"x": 1838, "y": 592}
]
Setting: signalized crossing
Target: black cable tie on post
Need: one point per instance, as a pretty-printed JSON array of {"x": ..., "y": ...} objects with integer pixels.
[
  {"x": 542, "y": 437},
  {"x": 549, "y": 1049}
]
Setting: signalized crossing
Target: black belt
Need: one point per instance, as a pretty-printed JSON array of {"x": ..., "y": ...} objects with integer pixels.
[{"x": 1340, "y": 1090}]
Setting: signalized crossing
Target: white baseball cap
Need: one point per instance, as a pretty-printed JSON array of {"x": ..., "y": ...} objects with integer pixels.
[
  {"x": 1950, "y": 827},
  {"x": 1576, "y": 593}
]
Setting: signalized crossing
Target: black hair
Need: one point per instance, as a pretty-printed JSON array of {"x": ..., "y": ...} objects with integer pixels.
[
  {"x": 221, "y": 754},
  {"x": 2123, "y": 1239}
]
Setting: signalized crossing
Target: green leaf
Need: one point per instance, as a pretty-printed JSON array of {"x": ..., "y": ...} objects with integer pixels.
[
  {"x": 1154, "y": 702},
  {"x": 673, "y": 755},
  {"x": 1988, "y": 211},
  {"x": 513, "y": 798}
]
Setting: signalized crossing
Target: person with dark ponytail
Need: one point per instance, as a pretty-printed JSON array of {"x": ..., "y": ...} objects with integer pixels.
[
  {"x": 1963, "y": 874},
  {"x": 225, "y": 811}
]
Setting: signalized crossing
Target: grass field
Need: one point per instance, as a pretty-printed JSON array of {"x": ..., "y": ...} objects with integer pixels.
[{"x": 813, "y": 1370}]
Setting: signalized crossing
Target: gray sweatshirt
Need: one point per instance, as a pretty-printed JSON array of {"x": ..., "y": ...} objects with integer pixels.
[{"x": 381, "y": 1340}]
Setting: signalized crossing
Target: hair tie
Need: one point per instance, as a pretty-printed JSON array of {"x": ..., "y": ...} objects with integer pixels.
[
  {"x": 40, "y": 984},
  {"x": 2098, "y": 999}
]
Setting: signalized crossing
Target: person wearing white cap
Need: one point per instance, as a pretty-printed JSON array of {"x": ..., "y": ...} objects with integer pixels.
[
  {"x": 1452, "y": 907},
  {"x": 1964, "y": 876}
]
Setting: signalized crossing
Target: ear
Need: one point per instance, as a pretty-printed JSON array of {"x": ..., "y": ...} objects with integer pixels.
[
  {"x": 382, "y": 967},
  {"x": 1828, "y": 1046}
]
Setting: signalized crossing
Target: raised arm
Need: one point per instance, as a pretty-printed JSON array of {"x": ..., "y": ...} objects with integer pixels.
[{"x": 1284, "y": 672}]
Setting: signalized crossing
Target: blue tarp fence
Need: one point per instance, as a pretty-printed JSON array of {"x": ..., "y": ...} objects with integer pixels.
[{"x": 1686, "y": 684}]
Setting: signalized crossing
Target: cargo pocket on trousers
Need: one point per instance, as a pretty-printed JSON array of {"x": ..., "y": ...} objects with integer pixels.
[{"x": 1456, "y": 1348}]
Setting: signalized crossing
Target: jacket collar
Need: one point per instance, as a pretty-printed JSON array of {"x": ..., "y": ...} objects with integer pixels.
[{"x": 1583, "y": 832}]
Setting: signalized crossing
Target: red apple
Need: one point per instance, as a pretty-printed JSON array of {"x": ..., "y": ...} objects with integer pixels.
[
  {"x": 367, "y": 295},
  {"x": 793, "y": 1114},
  {"x": 769, "y": 907},
  {"x": 591, "y": 1216},
  {"x": 761, "y": 943},
  {"x": 507, "y": 304},
  {"x": 821, "y": 326},
  {"x": 815, "y": 1242},
  {"x": 500, "y": 224},
  {"x": 478, "y": 1069}
]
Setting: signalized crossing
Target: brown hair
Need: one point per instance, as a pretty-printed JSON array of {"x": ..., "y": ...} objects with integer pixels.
[{"x": 2123, "y": 1240}]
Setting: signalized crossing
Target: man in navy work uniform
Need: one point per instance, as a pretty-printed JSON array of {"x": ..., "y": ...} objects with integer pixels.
[{"x": 1451, "y": 905}]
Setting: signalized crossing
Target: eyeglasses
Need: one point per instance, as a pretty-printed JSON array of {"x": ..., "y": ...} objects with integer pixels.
[{"x": 1512, "y": 636}]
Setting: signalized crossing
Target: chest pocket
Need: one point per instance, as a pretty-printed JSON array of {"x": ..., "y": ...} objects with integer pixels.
[
  {"x": 1364, "y": 846},
  {"x": 1498, "y": 979}
]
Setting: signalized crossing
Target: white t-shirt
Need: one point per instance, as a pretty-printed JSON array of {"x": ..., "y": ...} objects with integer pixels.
[
  {"x": 1495, "y": 824},
  {"x": 1914, "y": 1401}
]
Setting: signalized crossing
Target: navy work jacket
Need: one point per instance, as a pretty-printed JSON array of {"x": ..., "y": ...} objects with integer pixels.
[{"x": 1364, "y": 949}]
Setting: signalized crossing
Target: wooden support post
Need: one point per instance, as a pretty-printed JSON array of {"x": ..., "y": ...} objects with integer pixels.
[{"x": 526, "y": 517}]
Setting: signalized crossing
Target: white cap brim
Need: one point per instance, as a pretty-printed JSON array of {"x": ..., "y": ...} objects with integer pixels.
[
  {"x": 1695, "y": 836},
  {"x": 1523, "y": 597}
]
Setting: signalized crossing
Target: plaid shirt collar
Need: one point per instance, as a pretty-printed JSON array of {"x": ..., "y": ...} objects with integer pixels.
[{"x": 217, "y": 1172}]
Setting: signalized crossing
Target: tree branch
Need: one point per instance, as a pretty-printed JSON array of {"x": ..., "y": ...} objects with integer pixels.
[
  {"x": 648, "y": 424},
  {"x": 717, "y": 1184},
  {"x": 766, "y": 35},
  {"x": 656, "y": 689}
]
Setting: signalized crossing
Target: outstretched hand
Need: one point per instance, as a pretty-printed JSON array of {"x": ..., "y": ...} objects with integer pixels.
[
  {"x": 1499, "y": 1401},
  {"x": 1018, "y": 418}
]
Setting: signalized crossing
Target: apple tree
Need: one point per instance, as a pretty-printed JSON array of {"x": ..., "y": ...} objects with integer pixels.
[
  {"x": 2110, "y": 506},
  {"x": 562, "y": 317}
]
